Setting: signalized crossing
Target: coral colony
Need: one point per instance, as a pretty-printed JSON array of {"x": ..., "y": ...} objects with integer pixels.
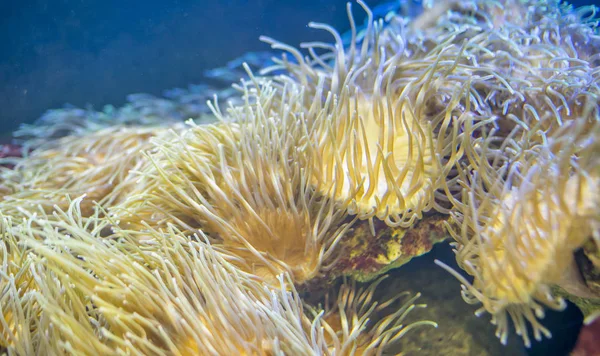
[{"x": 127, "y": 231}]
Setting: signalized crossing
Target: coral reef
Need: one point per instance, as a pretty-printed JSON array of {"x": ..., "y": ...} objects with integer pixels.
[{"x": 477, "y": 121}]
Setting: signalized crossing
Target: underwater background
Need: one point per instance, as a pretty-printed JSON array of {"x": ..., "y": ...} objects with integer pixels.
[{"x": 96, "y": 53}]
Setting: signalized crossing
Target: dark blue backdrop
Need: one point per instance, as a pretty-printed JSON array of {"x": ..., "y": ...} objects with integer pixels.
[{"x": 90, "y": 51}]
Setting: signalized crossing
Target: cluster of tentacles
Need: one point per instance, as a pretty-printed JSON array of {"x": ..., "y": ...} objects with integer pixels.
[
  {"x": 195, "y": 238},
  {"x": 486, "y": 111}
]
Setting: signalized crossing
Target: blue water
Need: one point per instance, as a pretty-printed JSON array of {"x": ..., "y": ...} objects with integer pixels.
[{"x": 97, "y": 52}]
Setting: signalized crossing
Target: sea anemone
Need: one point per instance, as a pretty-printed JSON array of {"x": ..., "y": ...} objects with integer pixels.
[
  {"x": 538, "y": 56},
  {"x": 375, "y": 158},
  {"x": 94, "y": 165},
  {"x": 371, "y": 141},
  {"x": 521, "y": 223},
  {"x": 349, "y": 314},
  {"x": 195, "y": 240},
  {"x": 141, "y": 110},
  {"x": 19, "y": 312},
  {"x": 242, "y": 185},
  {"x": 103, "y": 295},
  {"x": 527, "y": 169}
]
